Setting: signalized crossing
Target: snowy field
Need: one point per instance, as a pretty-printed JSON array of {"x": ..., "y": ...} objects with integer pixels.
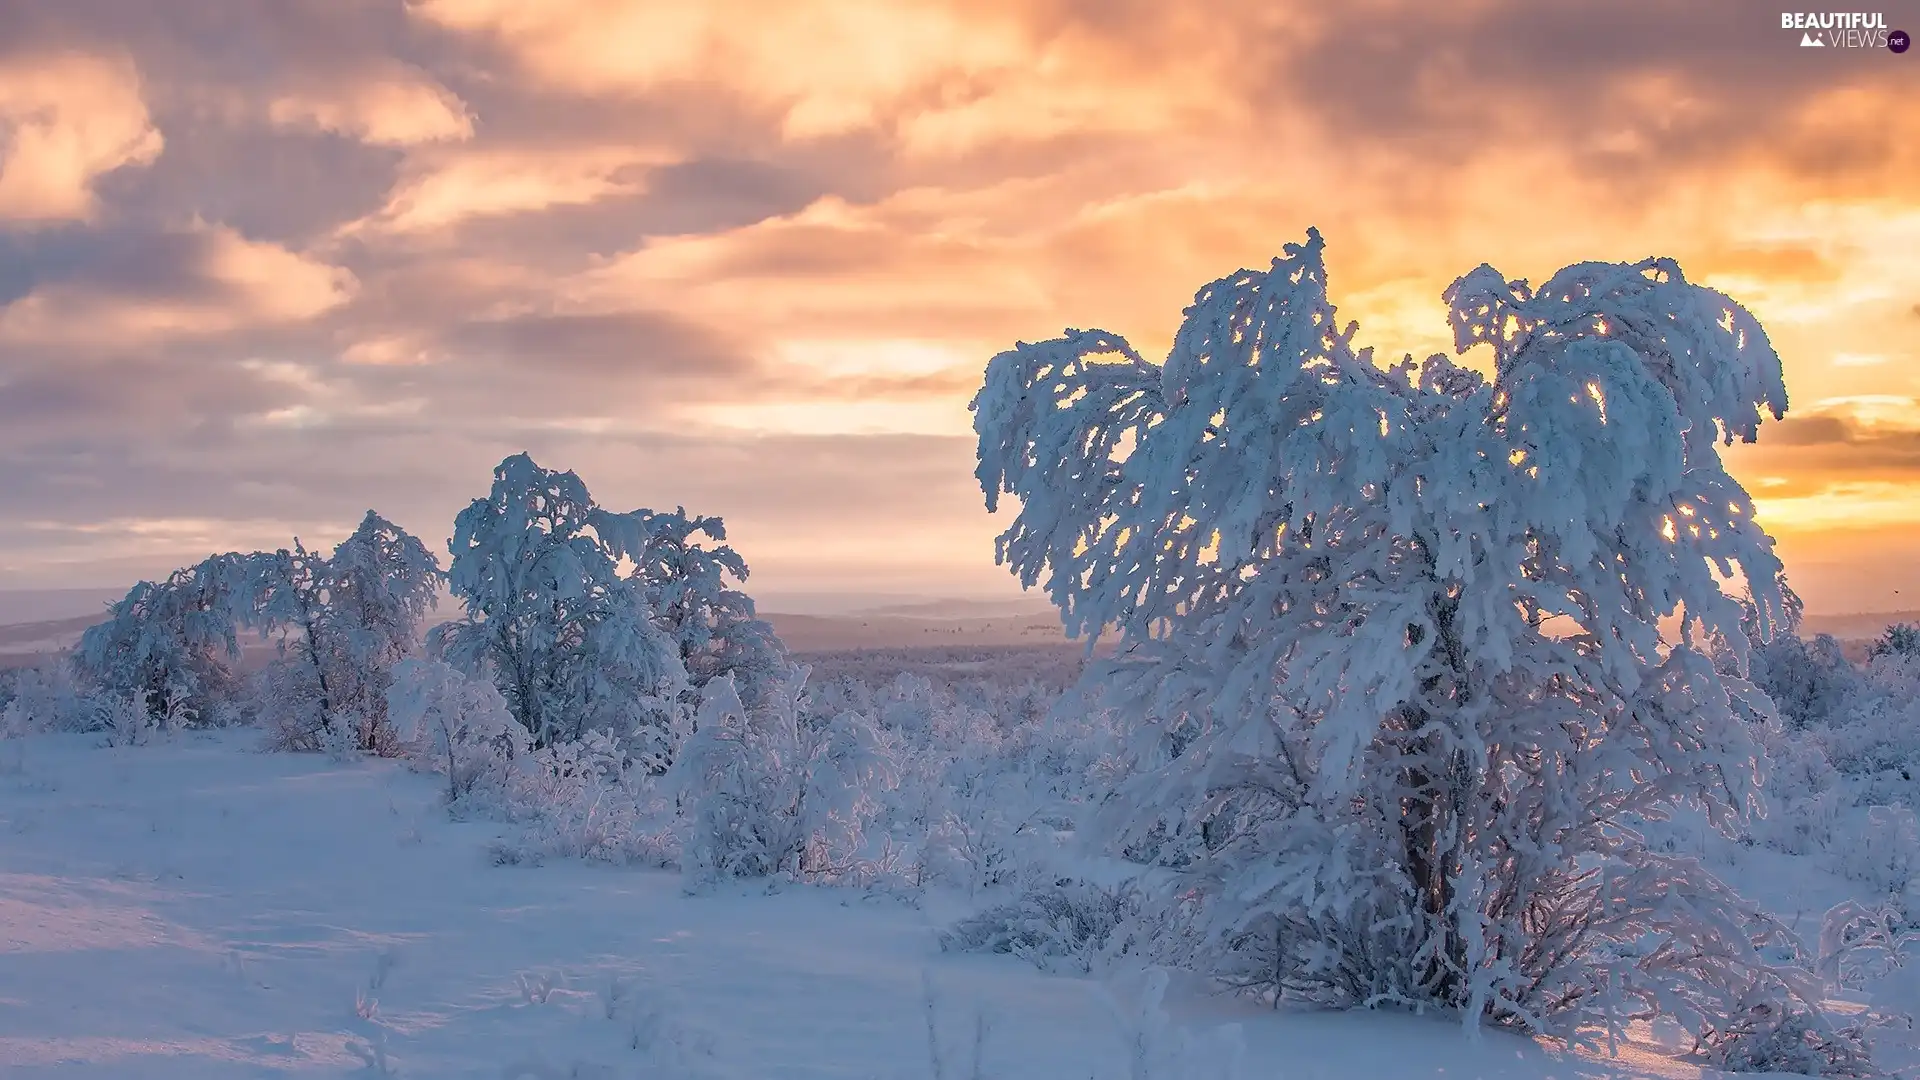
[{"x": 196, "y": 909}]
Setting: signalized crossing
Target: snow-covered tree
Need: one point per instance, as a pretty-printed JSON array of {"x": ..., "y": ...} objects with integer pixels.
[
  {"x": 171, "y": 644},
  {"x": 688, "y": 586},
  {"x": 381, "y": 583},
  {"x": 566, "y": 636},
  {"x": 348, "y": 620},
  {"x": 1409, "y": 621}
]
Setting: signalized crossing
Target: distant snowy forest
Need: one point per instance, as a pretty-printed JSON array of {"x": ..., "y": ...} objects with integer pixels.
[{"x": 1470, "y": 689}]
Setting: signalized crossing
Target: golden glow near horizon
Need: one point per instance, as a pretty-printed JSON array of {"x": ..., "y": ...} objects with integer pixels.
[{"x": 752, "y": 258}]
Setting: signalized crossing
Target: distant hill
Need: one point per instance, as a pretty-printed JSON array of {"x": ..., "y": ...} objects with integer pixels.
[
  {"x": 1027, "y": 608},
  {"x": 49, "y": 620},
  {"x": 1856, "y": 625},
  {"x": 44, "y": 605},
  {"x": 837, "y": 633}
]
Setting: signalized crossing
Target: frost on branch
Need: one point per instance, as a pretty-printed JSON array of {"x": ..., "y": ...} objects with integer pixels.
[{"x": 1406, "y": 623}]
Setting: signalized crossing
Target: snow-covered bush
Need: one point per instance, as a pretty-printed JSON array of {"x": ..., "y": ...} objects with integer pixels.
[
  {"x": 1876, "y": 745},
  {"x": 991, "y": 774},
  {"x": 1806, "y": 795},
  {"x": 566, "y": 637},
  {"x": 1407, "y": 626},
  {"x": 589, "y": 799},
  {"x": 47, "y": 697},
  {"x": 286, "y": 701},
  {"x": 1071, "y": 925},
  {"x": 778, "y": 790},
  {"x": 1775, "y": 1037},
  {"x": 457, "y": 725},
  {"x": 129, "y": 719}
]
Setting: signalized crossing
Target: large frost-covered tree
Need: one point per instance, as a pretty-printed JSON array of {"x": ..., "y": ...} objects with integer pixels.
[
  {"x": 567, "y": 637},
  {"x": 1420, "y": 648}
]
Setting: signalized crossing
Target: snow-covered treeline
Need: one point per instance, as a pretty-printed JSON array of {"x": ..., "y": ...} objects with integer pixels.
[{"x": 582, "y": 619}]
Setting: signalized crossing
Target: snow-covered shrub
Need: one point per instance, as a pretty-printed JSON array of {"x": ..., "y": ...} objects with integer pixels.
[
  {"x": 1806, "y": 795},
  {"x": 1783, "y": 1037},
  {"x": 46, "y": 697},
  {"x": 288, "y": 704},
  {"x": 1870, "y": 948},
  {"x": 456, "y": 725},
  {"x": 1876, "y": 746},
  {"x": 568, "y": 640},
  {"x": 971, "y": 840},
  {"x": 1414, "y": 619},
  {"x": 128, "y": 719},
  {"x": 590, "y": 799},
  {"x": 991, "y": 772},
  {"x": 1068, "y": 925},
  {"x": 776, "y": 789}
]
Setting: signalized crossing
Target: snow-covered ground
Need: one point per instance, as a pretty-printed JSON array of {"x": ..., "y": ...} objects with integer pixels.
[{"x": 196, "y": 909}]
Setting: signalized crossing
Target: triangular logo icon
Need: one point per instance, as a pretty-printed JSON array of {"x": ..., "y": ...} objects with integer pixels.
[{"x": 1808, "y": 40}]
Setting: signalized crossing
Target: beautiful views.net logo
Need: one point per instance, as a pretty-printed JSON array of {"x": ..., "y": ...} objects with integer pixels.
[{"x": 1845, "y": 30}]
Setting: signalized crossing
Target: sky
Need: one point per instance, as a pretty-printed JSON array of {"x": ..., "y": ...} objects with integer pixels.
[{"x": 266, "y": 265}]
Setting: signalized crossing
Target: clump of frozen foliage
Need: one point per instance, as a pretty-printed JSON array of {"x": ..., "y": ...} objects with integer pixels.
[
  {"x": 1074, "y": 926},
  {"x": 459, "y": 725},
  {"x": 1396, "y": 632},
  {"x": 579, "y": 799},
  {"x": 778, "y": 789},
  {"x": 345, "y": 621},
  {"x": 48, "y": 697}
]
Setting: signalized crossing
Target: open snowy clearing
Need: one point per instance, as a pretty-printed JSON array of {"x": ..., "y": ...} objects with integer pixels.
[{"x": 194, "y": 909}]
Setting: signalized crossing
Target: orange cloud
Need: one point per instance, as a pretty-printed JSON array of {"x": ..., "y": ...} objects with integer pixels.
[
  {"x": 204, "y": 281},
  {"x": 398, "y": 107},
  {"x": 442, "y": 191},
  {"x": 65, "y": 120},
  {"x": 825, "y": 67}
]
